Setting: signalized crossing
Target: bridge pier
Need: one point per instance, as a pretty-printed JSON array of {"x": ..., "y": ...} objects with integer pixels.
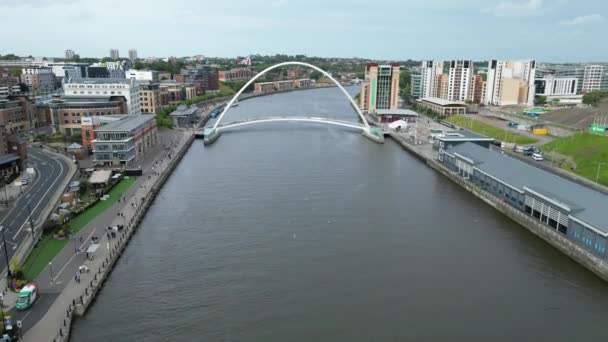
[
  {"x": 374, "y": 134},
  {"x": 210, "y": 135}
]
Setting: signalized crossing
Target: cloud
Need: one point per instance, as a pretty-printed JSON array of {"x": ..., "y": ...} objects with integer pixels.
[
  {"x": 515, "y": 9},
  {"x": 582, "y": 20}
]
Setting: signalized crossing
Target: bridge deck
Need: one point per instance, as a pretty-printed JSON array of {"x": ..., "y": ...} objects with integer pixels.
[{"x": 327, "y": 121}]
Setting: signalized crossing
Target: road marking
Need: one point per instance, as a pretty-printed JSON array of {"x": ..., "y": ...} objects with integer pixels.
[
  {"x": 29, "y": 312},
  {"x": 74, "y": 255},
  {"x": 38, "y": 177}
]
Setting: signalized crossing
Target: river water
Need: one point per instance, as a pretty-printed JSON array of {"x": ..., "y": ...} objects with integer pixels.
[{"x": 306, "y": 232}]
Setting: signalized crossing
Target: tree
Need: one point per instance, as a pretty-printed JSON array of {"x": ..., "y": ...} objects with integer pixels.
[
  {"x": 24, "y": 88},
  {"x": 316, "y": 75},
  {"x": 593, "y": 98},
  {"x": 540, "y": 100}
]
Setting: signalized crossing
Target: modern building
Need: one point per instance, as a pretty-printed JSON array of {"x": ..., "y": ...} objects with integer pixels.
[
  {"x": 142, "y": 75},
  {"x": 149, "y": 97},
  {"x": 114, "y": 54},
  {"x": 510, "y": 82},
  {"x": 571, "y": 210},
  {"x": 448, "y": 139},
  {"x": 133, "y": 55},
  {"x": 13, "y": 116},
  {"x": 551, "y": 85},
  {"x": 67, "y": 112},
  {"x": 97, "y": 72},
  {"x": 459, "y": 80},
  {"x": 240, "y": 74},
  {"x": 391, "y": 115},
  {"x": 595, "y": 77},
  {"x": 441, "y": 106},
  {"x": 172, "y": 92},
  {"x": 477, "y": 89},
  {"x": 9, "y": 84},
  {"x": 441, "y": 86},
  {"x": 69, "y": 54},
  {"x": 90, "y": 123},
  {"x": 428, "y": 76},
  {"x": 39, "y": 80},
  {"x": 380, "y": 90},
  {"x": 184, "y": 116},
  {"x": 104, "y": 88},
  {"x": 204, "y": 78},
  {"x": 125, "y": 141},
  {"x": 416, "y": 86}
]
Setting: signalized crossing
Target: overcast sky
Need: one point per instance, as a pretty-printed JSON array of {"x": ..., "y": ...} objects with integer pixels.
[{"x": 548, "y": 30}]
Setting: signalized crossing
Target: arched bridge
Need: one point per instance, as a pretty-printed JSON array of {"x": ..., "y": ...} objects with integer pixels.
[
  {"x": 211, "y": 134},
  {"x": 314, "y": 119}
]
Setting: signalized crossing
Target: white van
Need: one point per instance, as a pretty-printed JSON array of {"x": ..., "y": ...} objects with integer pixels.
[{"x": 537, "y": 156}]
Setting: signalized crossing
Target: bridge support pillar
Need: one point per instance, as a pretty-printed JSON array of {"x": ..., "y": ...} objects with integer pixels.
[
  {"x": 374, "y": 134},
  {"x": 210, "y": 135}
]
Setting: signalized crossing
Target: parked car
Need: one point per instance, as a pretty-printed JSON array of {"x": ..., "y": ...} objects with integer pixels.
[{"x": 537, "y": 156}]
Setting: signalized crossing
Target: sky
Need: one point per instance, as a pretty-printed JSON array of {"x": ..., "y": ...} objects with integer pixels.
[{"x": 546, "y": 30}]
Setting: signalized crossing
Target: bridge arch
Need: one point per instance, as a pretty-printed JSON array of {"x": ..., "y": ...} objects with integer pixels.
[{"x": 236, "y": 96}]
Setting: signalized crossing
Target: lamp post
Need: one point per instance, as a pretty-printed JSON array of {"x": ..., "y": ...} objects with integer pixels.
[
  {"x": 51, "y": 270},
  {"x": 29, "y": 210},
  {"x": 597, "y": 177},
  {"x": 5, "y": 185},
  {"x": 8, "y": 266}
]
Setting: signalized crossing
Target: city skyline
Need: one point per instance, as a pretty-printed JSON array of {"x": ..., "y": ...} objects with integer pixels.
[{"x": 545, "y": 30}]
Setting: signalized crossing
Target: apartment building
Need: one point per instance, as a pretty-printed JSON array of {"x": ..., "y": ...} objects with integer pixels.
[
  {"x": 459, "y": 80},
  {"x": 428, "y": 76},
  {"x": 416, "y": 86},
  {"x": 477, "y": 89},
  {"x": 133, "y": 55},
  {"x": 507, "y": 78},
  {"x": 149, "y": 97},
  {"x": 104, "y": 88},
  {"x": 595, "y": 77},
  {"x": 9, "y": 84},
  {"x": 13, "y": 116},
  {"x": 204, "y": 78},
  {"x": 240, "y": 74}
]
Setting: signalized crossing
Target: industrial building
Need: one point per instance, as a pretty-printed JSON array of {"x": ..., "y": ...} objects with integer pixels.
[{"x": 574, "y": 211}]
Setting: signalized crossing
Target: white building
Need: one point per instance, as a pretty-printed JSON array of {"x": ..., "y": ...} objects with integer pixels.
[
  {"x": 428, "y": 72},
  {"x": 459, "y": 80},
  {"x": 594, "y": 78},
  {"x": 132, "y": 55},
  {"x": 104, "y": 87},
  {"x": 143, "y": 75},
  {"x": 69, "y": 54},
  {"x": 114, "y": 54},
  {"x": 551, "y": 85},
  {"x": 503, "y": 79}
]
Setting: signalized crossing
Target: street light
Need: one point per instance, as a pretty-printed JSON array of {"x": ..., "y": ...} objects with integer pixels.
[
  {"x": 51, "y": 270},
  {"x": 597, "y": 178},
  {"x": 8, "y": 266}
]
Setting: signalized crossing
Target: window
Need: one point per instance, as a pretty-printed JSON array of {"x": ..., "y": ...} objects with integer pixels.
[
  {"x": 552, "y": 223},
  {"x": 536, "y": 214}
]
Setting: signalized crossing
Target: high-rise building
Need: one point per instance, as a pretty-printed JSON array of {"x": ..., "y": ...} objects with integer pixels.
[
  {"x": 459, "y": 80},
  {"x": 203, "y": 77},
  {"x": 149, "y": 96},
  {"x": 104, "y": 87},
  {"x": 429, "y": 71},
  {"x": 476, "y": 89},
  {"x": 380, "y": 90},
  {"x": 114, "y": 54},
  {"x": 416, "y": 86},
  {"x": 133, "y": 55},
  {"x": 69, "y": 54},
  {"x": 510, "y": 82},
  {"x": 595, "y": 77}
]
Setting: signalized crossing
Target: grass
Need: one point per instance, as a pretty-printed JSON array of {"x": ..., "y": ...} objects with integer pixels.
[
  {"x": 49, "y": 247},
  {"x": 587, "y": 150},
  {"x": 491, "y": 131}
]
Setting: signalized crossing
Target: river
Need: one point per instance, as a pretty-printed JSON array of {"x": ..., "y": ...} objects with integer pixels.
[{"x": 307, "y": 232}]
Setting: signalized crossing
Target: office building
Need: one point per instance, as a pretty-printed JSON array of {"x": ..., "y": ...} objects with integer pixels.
[
  {"x": 459, "y": 80},
  {"x": 69, "y": 54},
  {"x": 142, "y": 75},
  {"x": 132, "y": 55},
  {"x": 172, "y": 92},
  {"x": 9, "y": 84},
  {"x": 67, "y": 112},
  {"x": 149, "y": 97},
  {"x": 104, "y": 88},
  {"x": 380, "y": 90},
  {"x": 13, "y": 116},
  {"x": 428, "y": 76},
  {"x": 416, "y": 86},
  {"x": 572, "y": 211},
  {"x": 114, "y": 54},
  {"x": 203, "y": 78},
  {"x": 240, "y": 74},
  {"x": 125, "y": 141},
  {"x": 510, "y": 82},
  {"x": 39, "y": 80},
  {"x": 90, "y": 123},
  {"x": 551, "y": 85}
]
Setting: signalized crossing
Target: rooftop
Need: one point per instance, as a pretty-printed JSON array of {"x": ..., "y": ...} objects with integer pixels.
[
  {"x": 585, "y": 204},
  {"x": 441, "y": 102},
  {"x": 462, "y": 135},
  {"x": 407, "y": 112},
  {"x": 8, "y": 158},
  {"x": 184, "y": 110},
  {"x": 128, "y": 123},
  {"x": 99, "y": 80}
]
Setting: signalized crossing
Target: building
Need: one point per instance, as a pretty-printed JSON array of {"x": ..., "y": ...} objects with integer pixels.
[
  {"x": 441, "y": 86},
  {"x": 551, "y": 85},
  {"x": 391, "y": 115},
  {"x": 416, "y": 86},
  {"x": 263, "y": 87},
  {"x": 69, "y": 54},
  {"x": 571, "y": 210},
  {"x": 477, "y": 89},
  {"x": 441, "y": 106},
  {"x": 142, "y": 75},
  {"x": 133, "y": 55},
  {"x": 203, "y": 78},
  {"x": 184, "y": 116},
  {"x": 240, "y": 74},
  {"x": 67, "y": 112},
  {"x": 283, "y": 85},
  {"x": 104, "y": 88},
  {"x": 13, "y": 116},
  {"x": 510, "y": 83},
  {"x": 90, "y": 123},
  {"x": 68, "y": 70},
  {"x": 428, "y": 76},
  {"x": 459, "y": 80},
  {"x": 114, "y": 54},
  {"x": 448, "y": 139},
  {"x": 595, "y": 77},
  {"x": 172, "y": 92},
  {"x": 296, "y": 73},
  {"x": 302, "y": 83},
  {"x": 9, "y": 84},
  {"x": 149, "y": 97},
  {"x": 125, "y": 141},
  {"x": 39, "y": 80},
  {"x": 380, "y": 90},
  {"x": 97, "y": 72}
]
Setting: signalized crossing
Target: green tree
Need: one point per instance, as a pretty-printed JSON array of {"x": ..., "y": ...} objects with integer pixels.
[
  {"x": 24, "y": 88},
  {"x": 540, "y": 100},
  {"x": 593, "y": 98},
  {"x": 316, "y": 75}
]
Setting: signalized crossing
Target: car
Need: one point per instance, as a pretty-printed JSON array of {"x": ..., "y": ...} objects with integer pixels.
[
  {"x": 27, "y": 296},
  {"x": 537, "y": 156},
  {"x": 25, "y": 181}
]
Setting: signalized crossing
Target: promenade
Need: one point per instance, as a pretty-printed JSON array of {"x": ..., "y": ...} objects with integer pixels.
[{"x": 72, "y": 291}]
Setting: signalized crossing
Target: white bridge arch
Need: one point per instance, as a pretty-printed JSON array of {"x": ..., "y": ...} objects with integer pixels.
[{"x": 236, "y": 96}]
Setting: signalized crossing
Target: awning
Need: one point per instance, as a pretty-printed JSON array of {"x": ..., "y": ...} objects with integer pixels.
[{"x": 100, "y": 177}]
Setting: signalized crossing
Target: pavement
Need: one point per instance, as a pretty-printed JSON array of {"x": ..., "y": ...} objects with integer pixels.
[{"x": 57, "y": 282}]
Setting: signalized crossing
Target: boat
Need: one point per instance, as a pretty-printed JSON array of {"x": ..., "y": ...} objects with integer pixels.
[{"x": 236, "y": 103}]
